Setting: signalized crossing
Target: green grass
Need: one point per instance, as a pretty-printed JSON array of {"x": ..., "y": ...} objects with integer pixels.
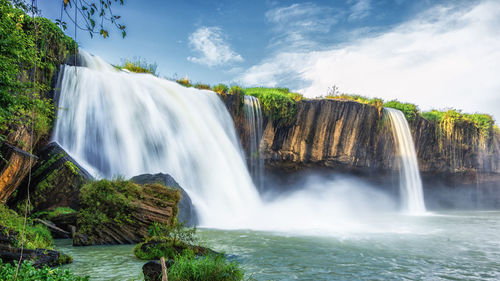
[
  {"x": 410, "y": 110},
  {"x": 184, "y": 82},
  {"x": 278, "y": 104},
  {"x": 211, "y": 267},
  {"x": 29, "y": 273},
  {"x": 55, "y": 213},
  {"x": 484, "y": 123},
  {"x": 138, "y": 65},
  {"x": 358, "y": 98},
  {"x": 221, "y": 89},
  {"x": 36, "y": 236}
]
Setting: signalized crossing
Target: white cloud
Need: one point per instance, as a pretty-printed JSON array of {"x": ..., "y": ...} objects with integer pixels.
[
  {"x": 360, "y": 9},
  {"x": 445, "y": 57},
  {"x": 294, "y": 24},
  {"x": 212, "y": 46}
]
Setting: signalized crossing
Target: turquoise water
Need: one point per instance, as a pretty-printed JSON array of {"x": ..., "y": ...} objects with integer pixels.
[{"x": 441, "y": 246}]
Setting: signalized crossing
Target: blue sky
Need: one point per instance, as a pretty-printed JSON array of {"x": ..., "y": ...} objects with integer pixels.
[{"x": 438, "y": 54}]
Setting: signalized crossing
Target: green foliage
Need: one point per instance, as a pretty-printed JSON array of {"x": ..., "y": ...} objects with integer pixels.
[
  {"x": 484, "y": 123},
  {"x": 36, "y": 236},
  {"x": 139, "y": 65},
  {"x": 54, "y": 213},
  {"x": 29, "y": 273},
  {"x": 184, "y": 82},
  {"x": 202, "y": 86},
  {"x": 377, "y": 102},
  {"x": 22, "y": 48},
  {"x": 210, "y": 267},
  {"x": 278, "y": 104},
  {"x": 410, "y": 110},
  {"x": 221, "y": 89},
  {"x": 114, "y": 202}
]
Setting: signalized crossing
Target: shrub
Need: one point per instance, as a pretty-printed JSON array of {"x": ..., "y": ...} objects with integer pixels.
[
  {"x": 484, "y": 123},
  {"x": 139, "y": 65},
  {"x": 278, "y": 104},
  {"x": 221, "y": 89},
  {"x": 377, "y": 102},
  {"x": 184, "y": 82},
  {"x": 202, "y": 86},
  {"x": 35, "y": 235},
  {"x": 29, "y": 273},
  {"x": 409, "y": 110},
  {"x": 211, "y": 267}
]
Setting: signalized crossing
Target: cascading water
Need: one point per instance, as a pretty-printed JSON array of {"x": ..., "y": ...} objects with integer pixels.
[
  {"x": 253, "y": 118},
  {"x": 126, "y": 124},
  {"x": 411, "y": 190}
]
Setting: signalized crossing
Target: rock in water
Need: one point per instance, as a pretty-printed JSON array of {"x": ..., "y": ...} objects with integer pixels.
[
  {"x": 121, "y": 212},
  {"x": 56, "y": 181},
  {"x": 187, "y": 213}
]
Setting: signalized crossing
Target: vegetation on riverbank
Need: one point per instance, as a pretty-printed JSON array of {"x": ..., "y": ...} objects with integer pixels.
[{"x": 28, "y": 272}]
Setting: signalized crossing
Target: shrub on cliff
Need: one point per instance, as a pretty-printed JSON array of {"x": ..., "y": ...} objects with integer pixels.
[
  {"x": 409, "y": 110},
  {"x": 278, "y": 104},
  {"x": 24, "y": 47},
  {"x": 139, "y": 65},
  {"x": 484, "y": 123}
]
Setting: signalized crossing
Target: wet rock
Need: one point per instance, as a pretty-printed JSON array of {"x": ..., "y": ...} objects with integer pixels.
[{"x": 152, "y": 270}]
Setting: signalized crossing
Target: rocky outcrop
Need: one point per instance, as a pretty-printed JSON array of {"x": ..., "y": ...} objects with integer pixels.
[
  {"x": 121, "y": 212},
  {"x": 55, "y": 181},
  {"x": 348, "y": 136},
  {"x": 187, "y": 213},
  {"x": 15, "y": 161}
]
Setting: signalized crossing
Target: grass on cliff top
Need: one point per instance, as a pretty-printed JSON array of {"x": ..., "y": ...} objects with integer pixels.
[
  {"x": 29, "y": 273},
  {"x": 358, "y": 98},
  {"x": 36, "y": 236},
  {"x": 278, "y": 104},
  {"x": 19, "y": 98},
  {"x": 139, "y": 65},
  {"x": 108, "y": 201},
  {"x": 484, "y": 123}
]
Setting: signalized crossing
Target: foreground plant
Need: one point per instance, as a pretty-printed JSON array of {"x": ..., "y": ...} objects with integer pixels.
[{"x": 28, "y": 272}]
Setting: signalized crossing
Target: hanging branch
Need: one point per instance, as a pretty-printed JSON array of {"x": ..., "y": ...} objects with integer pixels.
[{"x": 91, "y": 12}]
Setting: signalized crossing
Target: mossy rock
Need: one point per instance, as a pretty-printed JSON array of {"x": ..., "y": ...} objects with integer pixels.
[
  {"x": 56, "y": 181},
  {"x": 155, "y": 248},
  {"x": 120, "y": 212}
]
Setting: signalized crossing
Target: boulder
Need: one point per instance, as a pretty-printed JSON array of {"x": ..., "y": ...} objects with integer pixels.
[
  {"x": 55, "y": 182},
  {"x": 187, "y": 212},
  {"x": 121, "y": 212},
  {"x": 152, "y": 270}
]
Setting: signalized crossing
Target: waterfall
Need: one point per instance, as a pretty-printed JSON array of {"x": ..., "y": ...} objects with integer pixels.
[
  {"x": 410, "y": 184},
  {"x": 125, "y": 124},
  {"x": 253, "y": 124}
]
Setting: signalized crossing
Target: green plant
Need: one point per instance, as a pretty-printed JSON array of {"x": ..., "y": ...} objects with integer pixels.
[
  {"x": 202, "y": 86},
  {"x": 483, "y": 123},
  {"x": 139, "y": 65},
  {"x": 221, "y": 89},
  {"x": 210, "y": 267},
  {"x": 29, "y": 273},
  {"x": 184, "y": 82},
  {"x": 278, "y": 104},
  {"x": 409, "y": 110},
  {"x": 54, "y": 213},
  {"x": 377, "y": 102},
  {"x": 36, "y": 236}
]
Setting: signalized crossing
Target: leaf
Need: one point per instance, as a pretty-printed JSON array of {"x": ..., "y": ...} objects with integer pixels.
[
  {"x": 104, "y": 33},
  {"x": 66, "y": 2},
  {"x": 124, "y": 33}
]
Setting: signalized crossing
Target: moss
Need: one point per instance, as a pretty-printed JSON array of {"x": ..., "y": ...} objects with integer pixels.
[
  {"x": 36, "y": 235},
  {"x": 47, "y": 164},
  {"x": 447, "y": 120},
  {"x": 114, "y": 202},
  {"x": 72, "y": 167},
  {"x": 64, "y": 259},
  {"x": 54, "y": 213}
]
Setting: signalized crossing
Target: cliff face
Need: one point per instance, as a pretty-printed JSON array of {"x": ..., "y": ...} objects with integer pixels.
[{"x": 354, "y": 137}]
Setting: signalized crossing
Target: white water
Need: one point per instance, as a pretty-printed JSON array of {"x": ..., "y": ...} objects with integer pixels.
[
  {"x": 411, "y": 190},
  {"x": 253, "y": 118},
  {"x": 125, "y": 124}
]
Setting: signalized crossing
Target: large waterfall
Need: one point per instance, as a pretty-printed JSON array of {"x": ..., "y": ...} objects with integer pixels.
[
  {"x": 126, "y": 124},
  {"x": 253, "y": 118},
  {"x": 412, "y": 195}
]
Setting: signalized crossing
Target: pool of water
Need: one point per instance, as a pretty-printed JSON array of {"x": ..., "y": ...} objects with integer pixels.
[{"x": 438, "y": 246}]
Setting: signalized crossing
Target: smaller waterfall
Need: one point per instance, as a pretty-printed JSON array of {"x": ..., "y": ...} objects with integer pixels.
[
  {"x": 410, "y": 184},
  {"x": 253, "y": 123}
]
